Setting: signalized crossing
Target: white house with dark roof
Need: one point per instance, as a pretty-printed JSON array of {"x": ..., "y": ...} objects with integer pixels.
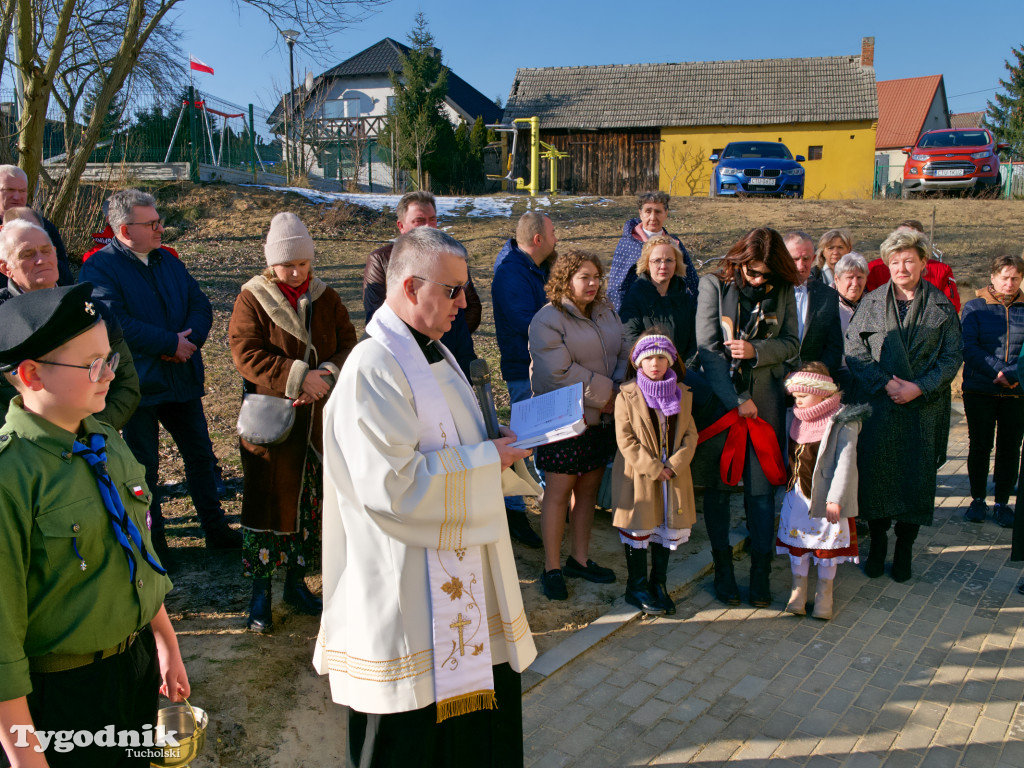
[
  {"x": 345, "y": 110},
  {"x": 653, "y": 126}
]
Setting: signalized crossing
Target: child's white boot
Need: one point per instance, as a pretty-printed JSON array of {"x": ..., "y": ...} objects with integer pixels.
[
  {"x": 798, "y": 597},
  {"x": 823, "y": 599}
]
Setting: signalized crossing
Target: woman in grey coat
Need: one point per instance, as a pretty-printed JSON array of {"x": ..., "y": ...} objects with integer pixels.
[
  {"x": 903, "y": 350},
  {"x": 746, "y": 331}
]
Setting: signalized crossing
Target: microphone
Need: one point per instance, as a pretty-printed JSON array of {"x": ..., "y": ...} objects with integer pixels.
[{"x": 480, "y": 376}]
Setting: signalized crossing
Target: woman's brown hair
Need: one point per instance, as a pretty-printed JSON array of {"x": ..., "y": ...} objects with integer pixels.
[
  {"x": 763, "y": 244},
  {"x": 559, "y": 285}
]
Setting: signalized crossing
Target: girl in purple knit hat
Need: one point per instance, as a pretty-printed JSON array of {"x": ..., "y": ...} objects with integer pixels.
[
  {"x": 821, "y": 496},
  {"x": 651, "y": 483}
]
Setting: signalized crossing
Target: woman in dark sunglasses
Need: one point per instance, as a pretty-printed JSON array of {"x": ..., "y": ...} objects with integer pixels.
[{"x": 746, "y": 331}]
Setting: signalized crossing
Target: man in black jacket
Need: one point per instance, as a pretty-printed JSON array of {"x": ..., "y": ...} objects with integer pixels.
[
  {"x": 817, "y": 305},
  {"x": 418, "y": 209}
]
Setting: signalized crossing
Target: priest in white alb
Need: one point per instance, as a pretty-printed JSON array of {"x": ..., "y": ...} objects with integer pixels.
[{"x": 424, "y": 634}]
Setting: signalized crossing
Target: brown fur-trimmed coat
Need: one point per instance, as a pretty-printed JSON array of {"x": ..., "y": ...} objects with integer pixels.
[{"x": 268, "y": 341}]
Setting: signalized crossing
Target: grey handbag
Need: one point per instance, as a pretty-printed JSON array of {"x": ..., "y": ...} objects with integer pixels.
[
  {"x": 265, "y": 419},
  {"x": 268, "y": 419}
]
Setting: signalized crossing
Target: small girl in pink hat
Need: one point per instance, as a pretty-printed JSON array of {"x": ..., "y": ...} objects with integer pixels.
[{"x": 821, "y": 496}]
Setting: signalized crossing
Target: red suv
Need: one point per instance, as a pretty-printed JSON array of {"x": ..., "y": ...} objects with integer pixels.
[{"x": 952, "y": 159}]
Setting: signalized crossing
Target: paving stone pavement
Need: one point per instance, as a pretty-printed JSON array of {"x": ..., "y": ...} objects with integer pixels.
[{"x": 926, "y": 673}]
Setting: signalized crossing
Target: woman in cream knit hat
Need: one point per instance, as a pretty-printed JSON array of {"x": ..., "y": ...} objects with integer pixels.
[{"x": 277, "y": 315}]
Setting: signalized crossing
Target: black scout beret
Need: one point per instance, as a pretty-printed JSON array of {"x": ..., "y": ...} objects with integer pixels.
[{"x": 37, "y": 322}]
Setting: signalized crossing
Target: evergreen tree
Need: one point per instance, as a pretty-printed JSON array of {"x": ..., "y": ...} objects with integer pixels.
[
  {"x": 1005, "y": 117},
  {"x": 417, "y": 121},
  {"x": 479, "y": 137}
]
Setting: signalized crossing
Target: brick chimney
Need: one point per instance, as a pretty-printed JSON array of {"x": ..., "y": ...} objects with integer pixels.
[{"x": 867, "y": 51}]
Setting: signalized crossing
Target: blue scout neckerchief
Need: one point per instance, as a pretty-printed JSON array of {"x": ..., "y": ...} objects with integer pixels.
[{"x": 125, "y": 530}]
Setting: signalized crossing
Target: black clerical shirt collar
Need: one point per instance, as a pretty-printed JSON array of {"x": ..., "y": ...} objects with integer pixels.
[{"x": 427, "y": 345}]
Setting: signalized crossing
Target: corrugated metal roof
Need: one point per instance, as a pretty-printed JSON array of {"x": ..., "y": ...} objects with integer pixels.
[
  {"x": 903, "y": 106},
  {"x": 756, "y": 92}
]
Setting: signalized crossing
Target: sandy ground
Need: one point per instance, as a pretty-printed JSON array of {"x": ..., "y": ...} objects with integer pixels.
[{"x": 267, "y": 706}]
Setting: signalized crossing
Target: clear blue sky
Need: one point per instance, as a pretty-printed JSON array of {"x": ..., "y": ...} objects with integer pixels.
[{"x": 485, "y": 43}]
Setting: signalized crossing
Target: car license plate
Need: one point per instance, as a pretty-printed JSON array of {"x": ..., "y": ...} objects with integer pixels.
[
  {"x": 949, "y": 172},
  {"x": 762, "y": 182}
]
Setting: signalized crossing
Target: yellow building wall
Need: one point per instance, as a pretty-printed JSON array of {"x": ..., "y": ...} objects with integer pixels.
[{"x": 845, "y": 171}]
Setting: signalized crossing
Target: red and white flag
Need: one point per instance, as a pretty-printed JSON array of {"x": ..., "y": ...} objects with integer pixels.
[{"x": 199, "y": 66}]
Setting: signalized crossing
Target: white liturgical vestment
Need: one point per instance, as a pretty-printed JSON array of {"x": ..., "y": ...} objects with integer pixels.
[{"x": 387, "y": 506}]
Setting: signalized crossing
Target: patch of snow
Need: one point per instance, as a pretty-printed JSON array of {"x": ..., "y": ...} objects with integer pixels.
[{"x": 446, "y": 206}]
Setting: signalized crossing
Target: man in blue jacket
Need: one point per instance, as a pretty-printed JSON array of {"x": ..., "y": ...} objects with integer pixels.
[
  {"x": 517, "y": 292},
  {"x": 166, "y": 318}
]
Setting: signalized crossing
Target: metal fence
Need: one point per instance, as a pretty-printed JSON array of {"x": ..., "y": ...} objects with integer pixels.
[{"x": 889, "y": 181}]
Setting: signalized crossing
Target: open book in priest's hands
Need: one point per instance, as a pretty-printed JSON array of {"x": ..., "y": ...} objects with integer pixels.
[{"x": 548, "y": 418}]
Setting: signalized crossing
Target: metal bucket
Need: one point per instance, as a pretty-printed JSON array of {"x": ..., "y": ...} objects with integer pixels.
[{"x": 190, "y": 723}]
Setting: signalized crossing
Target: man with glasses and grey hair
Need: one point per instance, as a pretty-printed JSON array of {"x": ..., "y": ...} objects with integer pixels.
[
  {"x": 423, "y": 633},
  {"x": 166, "y": 318},
  {"x": 14, "y": 194}
]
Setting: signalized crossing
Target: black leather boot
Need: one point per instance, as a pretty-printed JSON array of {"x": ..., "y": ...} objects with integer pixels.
[
  {"x": 261, "y": 619},
  {"x": 878, "y": 546},
  {"x": 297, "y": 594},
  {"x": 760, "y": 571},
  {"x": 638, "y": 593},
  {"x": 659, "y": 575},
  {"x": 725, "y": 578},
  {"x": 903, "y": 552}
]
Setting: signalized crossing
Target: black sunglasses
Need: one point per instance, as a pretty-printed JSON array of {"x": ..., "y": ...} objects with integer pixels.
[{"x": 453, "y": 290}]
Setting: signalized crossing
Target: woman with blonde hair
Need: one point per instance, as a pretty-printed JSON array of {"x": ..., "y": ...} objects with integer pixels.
[
  {"x": 576, "y": 338},
  {"x": 903, "y": 350},
  {"x": 832, "y": 246},
  {"x": 289, "y": 336},
  {"x": 652, "y": 209},
  {"x": 659, "y": 297}
]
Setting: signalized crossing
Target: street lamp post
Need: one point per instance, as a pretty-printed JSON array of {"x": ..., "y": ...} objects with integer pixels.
[{"x": 290, "y": 36}]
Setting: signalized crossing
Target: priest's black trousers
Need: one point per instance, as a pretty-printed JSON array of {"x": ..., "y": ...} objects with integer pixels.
[{"x": 489, "y": 738}]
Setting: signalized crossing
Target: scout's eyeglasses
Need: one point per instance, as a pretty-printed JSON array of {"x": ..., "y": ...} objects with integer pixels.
[
  {"x": 95, "y": 368},
  {"x": 453, "y": 290},
  {"x": 155, "y": 224}
]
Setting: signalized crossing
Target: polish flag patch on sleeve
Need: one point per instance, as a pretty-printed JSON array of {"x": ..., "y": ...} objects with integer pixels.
[{"x": 137, "y": 490}]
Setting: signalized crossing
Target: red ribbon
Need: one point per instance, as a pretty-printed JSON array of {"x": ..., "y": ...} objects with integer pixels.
[{"x": 734, "y": 455}]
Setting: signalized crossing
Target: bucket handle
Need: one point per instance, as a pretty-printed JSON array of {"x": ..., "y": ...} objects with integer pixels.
[{"x": 195, "y": 720}]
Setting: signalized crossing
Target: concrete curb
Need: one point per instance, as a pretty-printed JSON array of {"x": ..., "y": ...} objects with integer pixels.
[{"x": 681, "y": 575}]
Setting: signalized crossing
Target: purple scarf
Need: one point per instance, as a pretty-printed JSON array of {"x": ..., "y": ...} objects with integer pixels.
[{"x": 661, "y": 395}]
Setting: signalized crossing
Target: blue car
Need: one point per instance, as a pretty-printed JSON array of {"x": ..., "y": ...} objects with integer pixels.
[{"x": 757, "y": 168}]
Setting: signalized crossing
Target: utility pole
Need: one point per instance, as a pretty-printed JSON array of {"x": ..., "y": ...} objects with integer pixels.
[{"x": 290, "y": 36}]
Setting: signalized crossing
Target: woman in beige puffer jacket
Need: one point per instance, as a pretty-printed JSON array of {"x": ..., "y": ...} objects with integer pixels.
[{"x": 576, "y": 338}]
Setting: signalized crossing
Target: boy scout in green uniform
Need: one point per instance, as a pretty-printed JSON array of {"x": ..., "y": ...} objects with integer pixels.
[{"x": 85, "y": 641}]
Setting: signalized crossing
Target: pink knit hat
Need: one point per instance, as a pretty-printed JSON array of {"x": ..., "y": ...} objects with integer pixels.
[{"x": 811, "y": 384}]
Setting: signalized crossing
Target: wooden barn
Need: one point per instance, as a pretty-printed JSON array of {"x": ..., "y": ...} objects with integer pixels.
[{"x": 634, "y": 127}]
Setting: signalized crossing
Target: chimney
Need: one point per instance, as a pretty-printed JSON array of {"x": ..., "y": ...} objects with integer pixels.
[{"x": 867, "y": 51}]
